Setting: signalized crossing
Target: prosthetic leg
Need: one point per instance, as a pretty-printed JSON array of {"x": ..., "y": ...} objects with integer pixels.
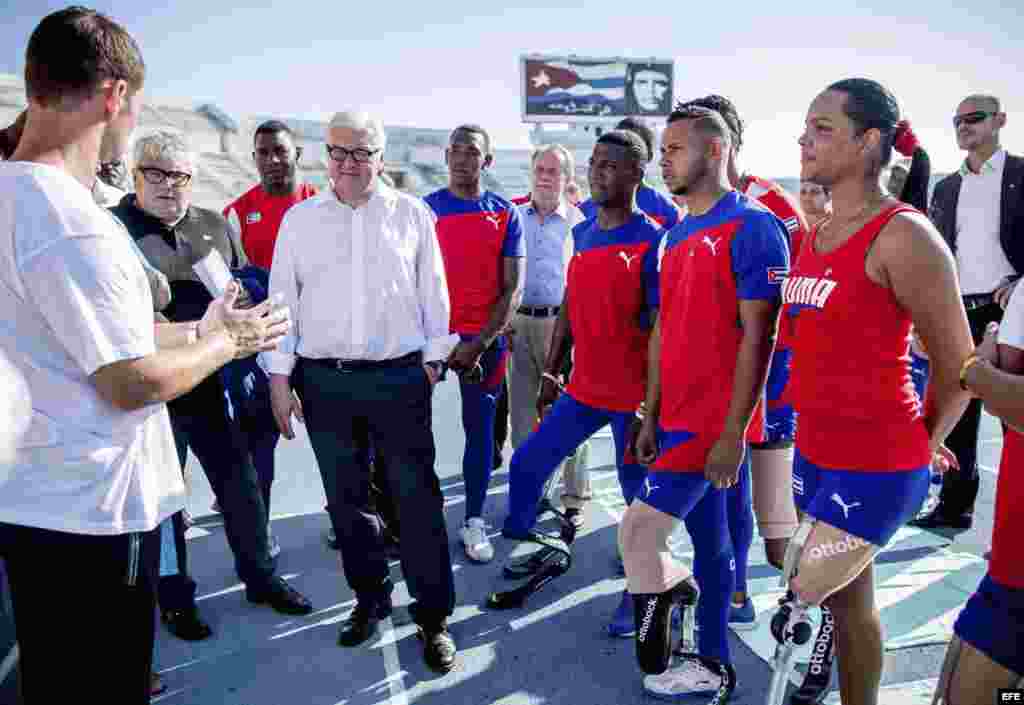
[
  {"x": 553, "y": 559},
  {"x": 535, "y": 562},
  {"x": 653, "y": 614},
  {"x": 791, "y": 625}
]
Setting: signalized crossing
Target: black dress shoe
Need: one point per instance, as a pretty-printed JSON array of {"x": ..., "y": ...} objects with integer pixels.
[
  {"x": 362, "y": 623},
  {"x": 281, "y": 596},
  {"x": 438, "y": 647},
  {"x": 938, "y": 519},
  {"x": 186, "y": 624}
]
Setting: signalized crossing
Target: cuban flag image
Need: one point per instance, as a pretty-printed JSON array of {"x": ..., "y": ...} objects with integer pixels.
[{"x": 575, "y": 88}]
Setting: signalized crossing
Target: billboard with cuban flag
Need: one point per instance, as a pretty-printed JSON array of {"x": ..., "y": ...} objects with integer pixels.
[{"x": 575, "y": 89}]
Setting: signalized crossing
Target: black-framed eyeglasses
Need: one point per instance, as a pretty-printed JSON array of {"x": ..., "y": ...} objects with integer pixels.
[
  {"x": 971, "y": 118},
  {"x": 360, "y": 155},
  {"x": 156, "y": 176}
]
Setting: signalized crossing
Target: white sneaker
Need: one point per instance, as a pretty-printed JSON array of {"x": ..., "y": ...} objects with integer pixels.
[
  {"x": 474, "y": 538},
  {"x": 274, "y": 544},
  {"x": 691, "y": 677}
]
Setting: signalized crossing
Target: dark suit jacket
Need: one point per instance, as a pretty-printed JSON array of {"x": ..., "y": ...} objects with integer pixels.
[{"x": 1011, "y": 211}]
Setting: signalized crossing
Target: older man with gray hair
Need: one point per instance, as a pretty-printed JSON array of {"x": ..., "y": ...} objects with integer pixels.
[
  {"x": 361, "y": 269},
  {"x": 174, "y": 235},
  {"x": 548, "y": 219}
]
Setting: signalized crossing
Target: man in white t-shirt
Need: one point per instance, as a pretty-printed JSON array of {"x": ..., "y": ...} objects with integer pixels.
[{"x": 96, "y": 471}]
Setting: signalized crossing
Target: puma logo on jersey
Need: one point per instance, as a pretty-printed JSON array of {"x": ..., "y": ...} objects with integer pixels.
[
  {"x": 843, "y": 505},
  {"x": 627, "y": 259},
  {"x": 712, "y": 244},
  {"x": 492, "y": 219},
  {"x": 648, "y": 487},
  {"x": 807, "y": 291}
]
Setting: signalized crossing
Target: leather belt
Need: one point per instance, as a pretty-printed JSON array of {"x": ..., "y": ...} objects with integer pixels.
[
  {"x": 341, "y": 365},
  {"x": 973, "y": 301},
  {"x": 539, "y": 311}
]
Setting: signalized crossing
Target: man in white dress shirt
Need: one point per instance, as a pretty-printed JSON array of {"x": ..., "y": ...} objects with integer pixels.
[
  {"x": 361, "y": 269},
  {"x": 979, "y": 210}
]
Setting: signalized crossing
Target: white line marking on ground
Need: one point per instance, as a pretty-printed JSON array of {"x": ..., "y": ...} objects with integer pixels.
[
  {"x": 392, "y": 666},
  {"x": 10, "y": 661}
]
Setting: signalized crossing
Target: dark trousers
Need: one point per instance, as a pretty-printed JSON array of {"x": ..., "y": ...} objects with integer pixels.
[
  {"x": 960, "y": 489},
  {"x": 394, "y": 405},
  {"x": 100, "y": 650},
  {"x": 201, "y": 422}
]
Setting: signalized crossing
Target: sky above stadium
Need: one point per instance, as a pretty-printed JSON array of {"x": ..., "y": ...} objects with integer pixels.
[{"x": 436, "y": 64}]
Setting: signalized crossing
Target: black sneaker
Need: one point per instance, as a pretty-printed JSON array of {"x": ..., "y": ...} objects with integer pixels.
[
  {"x": 819, "y": 670},
  {"x": 438, "y": 647},
  {"x": 186, "y": 624},
  {"x": 281, "y": 596}
]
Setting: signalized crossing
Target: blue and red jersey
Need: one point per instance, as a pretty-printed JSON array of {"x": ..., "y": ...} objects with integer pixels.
[
  {"x": 851, "y": 382},
  {"x": 610, "y": 288},
  {"x": 773, "y": 197},
  {"x": 654, "y": 203},
  {"x": 736, "y": 251},
  {"x": 474, "y": 237}
]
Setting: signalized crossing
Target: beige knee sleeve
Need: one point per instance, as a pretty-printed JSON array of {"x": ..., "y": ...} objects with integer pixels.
[
  {"x": 643, "y": 539},
  {"x": 772, "y": 477}
]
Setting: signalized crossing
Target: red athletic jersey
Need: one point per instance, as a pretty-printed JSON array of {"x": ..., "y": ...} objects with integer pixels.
[
  {"x": 736, "y": 251},
  {"x": 1007, "y": 564},
  {"x": 850, "y": 381},
  {"x": 776, "y": 199},
  {"x": 259, "y": 217},
  {"x": 609, "y": 288},
  {"x": 474, "y": 237}
]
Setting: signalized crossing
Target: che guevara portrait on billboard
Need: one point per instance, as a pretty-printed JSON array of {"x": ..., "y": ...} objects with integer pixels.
[{"x": 649, "y": 89}]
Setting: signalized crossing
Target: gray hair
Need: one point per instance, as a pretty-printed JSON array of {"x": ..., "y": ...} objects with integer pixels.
[
  {"x": 362, "y": 121},
  {"x": 568, "y": 162},
  {"x": 163, "y": 145},
  {"x": 990, "y": 100}
]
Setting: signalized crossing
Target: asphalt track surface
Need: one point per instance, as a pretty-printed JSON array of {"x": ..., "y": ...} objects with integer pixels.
[{"x": 553, "y": 651}]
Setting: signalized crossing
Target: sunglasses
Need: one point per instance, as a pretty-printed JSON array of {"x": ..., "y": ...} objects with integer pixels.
[{"x": 971, "y": 118}]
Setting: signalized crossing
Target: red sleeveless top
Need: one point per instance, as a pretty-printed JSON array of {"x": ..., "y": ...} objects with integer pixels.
[
  {"x": 1007, "y": 564},
  {"x": 850, "y": 380}
]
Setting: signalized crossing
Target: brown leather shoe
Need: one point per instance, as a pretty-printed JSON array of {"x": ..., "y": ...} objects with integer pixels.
[
  {"x": 438, "y": 647},
  {"x": 362, "y": 623}
]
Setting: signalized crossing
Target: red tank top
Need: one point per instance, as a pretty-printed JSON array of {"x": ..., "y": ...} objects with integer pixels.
[
  {"x": 850, "y": 381},
  {"x": 1007, "y": 564}
]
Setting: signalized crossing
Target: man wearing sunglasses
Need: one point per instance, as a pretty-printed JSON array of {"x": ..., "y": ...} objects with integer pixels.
[
  {"x": 979, "y": 210},
  {"x": 174, "y": 235}
]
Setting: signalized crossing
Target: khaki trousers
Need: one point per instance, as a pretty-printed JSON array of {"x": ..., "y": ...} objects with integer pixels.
[{"x": 530, "y": 346}]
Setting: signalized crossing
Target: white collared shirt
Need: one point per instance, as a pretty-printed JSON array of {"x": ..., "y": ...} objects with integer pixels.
[
  {"x": 363, "y": 283},
  {"x": 980, "y": 259}
]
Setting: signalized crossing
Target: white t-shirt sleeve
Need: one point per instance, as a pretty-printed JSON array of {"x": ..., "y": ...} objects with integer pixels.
[
  {"x": 1011, "y": 330},
  {"x": 94, "y": 295}
]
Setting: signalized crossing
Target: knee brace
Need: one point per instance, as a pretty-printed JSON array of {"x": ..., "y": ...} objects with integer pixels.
[{"x": 653, "y": 614}]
